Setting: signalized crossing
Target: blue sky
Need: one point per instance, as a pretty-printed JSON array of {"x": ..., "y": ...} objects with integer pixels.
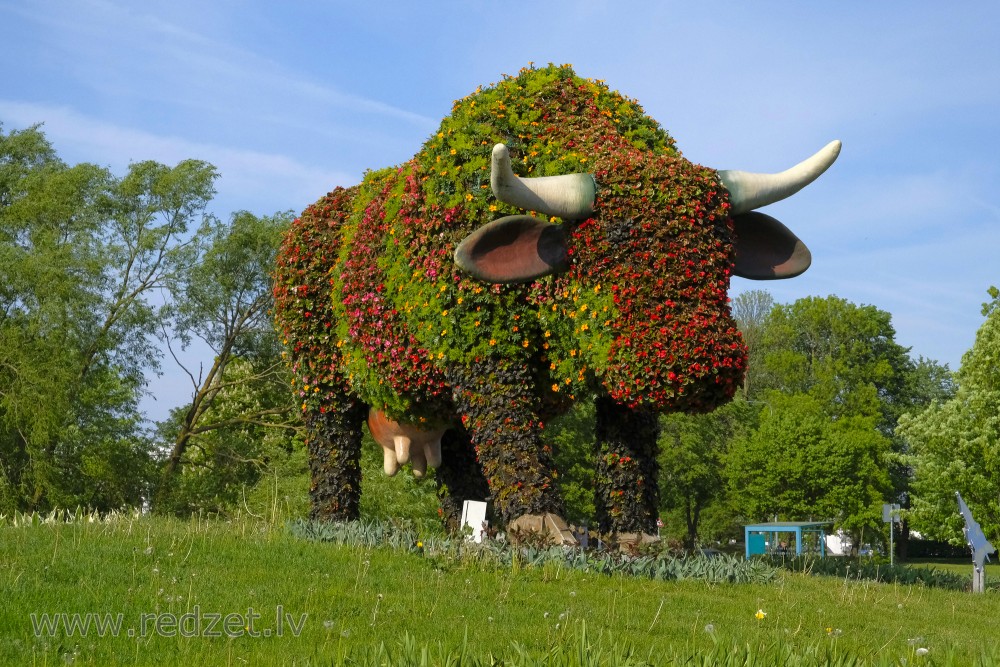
[{"x": 289, "y": 99}]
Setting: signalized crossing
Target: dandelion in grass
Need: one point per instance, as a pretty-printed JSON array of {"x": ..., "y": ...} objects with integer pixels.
[
  {"x": 329, "y": 623},
  {"x": 760, "y": 614},
  {"x": 923, "y": 651},
  {"x": 834, "y": 632},
  {"x": 710, "y": 628}
]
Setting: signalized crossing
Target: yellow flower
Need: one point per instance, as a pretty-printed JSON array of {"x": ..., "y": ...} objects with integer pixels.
[
  {"x": 555, "y": 387},
  {"x": 493, "y": 341},
  {"x": 760, "y": 614}
]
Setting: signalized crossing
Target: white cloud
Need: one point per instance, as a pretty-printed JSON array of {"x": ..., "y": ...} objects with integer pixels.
[{"x": 249, "y": 179}]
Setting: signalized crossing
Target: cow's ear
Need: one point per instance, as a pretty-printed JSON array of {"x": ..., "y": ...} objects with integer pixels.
[
  {"x": 514, "y": 249},
  {"x": 766, "y": 249}
]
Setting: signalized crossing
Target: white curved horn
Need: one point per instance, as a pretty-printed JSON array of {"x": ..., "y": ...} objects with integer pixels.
[
  {"x": 570, "y": 196},
  {"x": 749, "y": 191}
]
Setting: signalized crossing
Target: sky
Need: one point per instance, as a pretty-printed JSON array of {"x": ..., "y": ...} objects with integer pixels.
[{"x": 290, "y": 99}]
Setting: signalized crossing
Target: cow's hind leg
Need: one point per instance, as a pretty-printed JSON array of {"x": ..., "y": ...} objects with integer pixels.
[
  {"x": 333, "y": 438},
  {"x": 627, "y": 489}
]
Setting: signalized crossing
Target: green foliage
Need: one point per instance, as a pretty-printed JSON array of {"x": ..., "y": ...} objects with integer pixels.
[
  {"x": 842, "y": 354},
  {"x": 956, "y": 442},
  {"x": 752, "y": 310},
  {"x": 240, "y": 415},
  {"x": 80, "y": 253},
  {"x": 571, "y": 437},
  {"x": 801, "y": 464},
  {"x": 693, "y": 453}
]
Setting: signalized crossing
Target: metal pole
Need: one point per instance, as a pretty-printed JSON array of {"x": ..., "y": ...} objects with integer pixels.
[{"x": 892, "y": 549}]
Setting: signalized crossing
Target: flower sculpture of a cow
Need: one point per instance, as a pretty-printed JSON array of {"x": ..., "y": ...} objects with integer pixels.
[{"x": 547, "y": 242}]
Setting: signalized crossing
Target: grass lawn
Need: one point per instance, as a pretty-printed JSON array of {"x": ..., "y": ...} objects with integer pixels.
[{"x": 311, "y": 603}]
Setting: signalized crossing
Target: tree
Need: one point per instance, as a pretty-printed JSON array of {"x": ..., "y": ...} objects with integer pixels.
[
  {"x": 81, "y": 254},
  {"x": 801, "y": 464},
  {"x": 842, "y": 354},
  {"x": 846, "y": 357},
  {"x": 237, "y": 442},
  {"x": 693, "y": 453},
  {"x": 752, "y": 310},
  {"x": 225, "y": 301},
  {"x": 955, "y": 443},
  {"x": 571, "y": 438}
]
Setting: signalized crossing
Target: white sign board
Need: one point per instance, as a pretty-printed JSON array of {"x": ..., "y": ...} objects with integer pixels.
[{"x": 474, "y": 516}]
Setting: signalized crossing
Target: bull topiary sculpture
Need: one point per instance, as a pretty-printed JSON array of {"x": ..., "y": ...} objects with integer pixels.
[{"x": 457, "y": 306}]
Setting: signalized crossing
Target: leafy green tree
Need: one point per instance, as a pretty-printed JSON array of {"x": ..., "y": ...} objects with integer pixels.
[
  {"x": 955, "y": 443},
  {"x": 846, "y": 357},
  {"x": 225, "y": 301},
  {"x": 81, "y": 254},
  {"x": 801, "y": 464},
  {"x": 238, "y": 442},
  {"x": 571, "y": 438},
  {"x": 842, "y": 354},
  {"x": 693, "y": 453},
  {"x": 752, "y": 310}
]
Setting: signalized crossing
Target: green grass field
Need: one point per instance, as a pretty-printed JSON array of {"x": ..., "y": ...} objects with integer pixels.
[{"x": 352, "y": 605}]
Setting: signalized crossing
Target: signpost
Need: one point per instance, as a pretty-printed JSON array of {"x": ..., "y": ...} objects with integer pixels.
[
  {"x": 890, "y": 515},
  {"x": 981, "y": 547}
]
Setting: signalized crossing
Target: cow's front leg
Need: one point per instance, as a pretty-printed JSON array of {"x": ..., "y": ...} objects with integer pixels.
[
  {"x": 333, "y": 438},
  {"x": 627, "y": 491},
  {"x": 499, "y": 408}
]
